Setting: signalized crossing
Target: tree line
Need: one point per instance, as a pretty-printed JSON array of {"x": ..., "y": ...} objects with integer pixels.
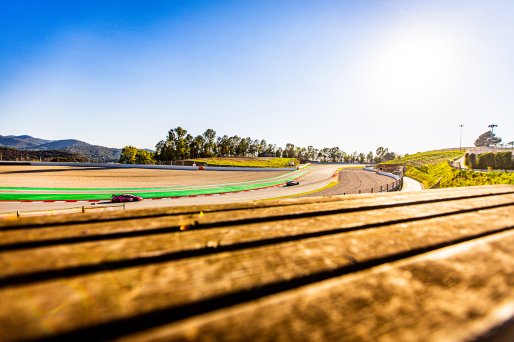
[
  {"x": 13, "y": 154},
  {"x": 180, "y": 145}
]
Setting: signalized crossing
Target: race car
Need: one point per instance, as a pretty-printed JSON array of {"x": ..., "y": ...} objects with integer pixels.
[
  {"x": 292, "y": 182},
  {"x": 126, "y": 198}
]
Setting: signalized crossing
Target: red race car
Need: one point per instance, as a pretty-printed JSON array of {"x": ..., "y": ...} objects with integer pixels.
[{"x": 126, "y": 198}]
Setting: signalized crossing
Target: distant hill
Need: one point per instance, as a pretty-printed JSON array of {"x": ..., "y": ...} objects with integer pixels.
[
  {"x": 21, "y": 141},
  {"x": 60, "y": 144},
  {"x": 73, "y": 146},
  {"x": 12, "y": 154}
]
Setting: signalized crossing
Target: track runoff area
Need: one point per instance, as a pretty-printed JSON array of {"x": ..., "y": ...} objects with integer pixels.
[{"x": 89, "y": 186}]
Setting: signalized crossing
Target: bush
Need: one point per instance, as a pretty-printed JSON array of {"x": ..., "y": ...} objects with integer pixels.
[
  {"x": 485, "y": 160},
  {"x": 503, "y": 161},
  {"x": 471, "y": 160}
]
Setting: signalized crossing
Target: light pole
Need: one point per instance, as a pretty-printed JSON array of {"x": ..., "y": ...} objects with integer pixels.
[
  {"x": 460, "y": 143},
  {"x": 492, "y": 126}
]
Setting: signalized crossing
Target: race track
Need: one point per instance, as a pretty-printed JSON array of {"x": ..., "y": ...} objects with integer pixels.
[
  {"x": 355, "y": 181},
  {"x": 206, "y": 182},
  {"x": 311, "y": 180}
]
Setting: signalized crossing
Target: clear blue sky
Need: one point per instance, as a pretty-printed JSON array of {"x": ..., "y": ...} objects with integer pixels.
[{"x": 354, "y": 74}]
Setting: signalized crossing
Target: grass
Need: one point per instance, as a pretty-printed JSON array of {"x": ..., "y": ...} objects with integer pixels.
[
  {"x": 249, "y": 162},
  {"x": 442, "y": 175},
  {"x": 433, "y": 171},
  {"x": 427, "y": 158}
]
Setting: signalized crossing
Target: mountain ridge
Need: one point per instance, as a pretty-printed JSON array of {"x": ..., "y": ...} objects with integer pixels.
[{"x": 29, "y": 143}]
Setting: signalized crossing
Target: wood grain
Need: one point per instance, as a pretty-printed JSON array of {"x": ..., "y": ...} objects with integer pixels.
[{"x": 282, "y": 270}]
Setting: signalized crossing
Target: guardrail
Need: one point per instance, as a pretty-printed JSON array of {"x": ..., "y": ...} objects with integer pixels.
[
  {"x": 60, "y": 211},
  {"x": 393, "y": 186}
]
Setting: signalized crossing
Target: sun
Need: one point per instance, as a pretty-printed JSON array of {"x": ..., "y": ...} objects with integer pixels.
[{"x": 413, "y": 65}]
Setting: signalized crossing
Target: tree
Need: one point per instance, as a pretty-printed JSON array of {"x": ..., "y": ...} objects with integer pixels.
[
  {"x": 278, "y": 152},
  {"x": 128, "y": 155},
  {"x": 380, "y": 154},
  {"x": 383, "y": 154},
  {"x": 165, "y": 150},
  {"x": 209, "y": 148},
  {"x": 271, "y": 150},
  {"x": 369, "y": 157},
  {"x": 487, "y": 139},
  {"x": 324, "y": 154},
  {"x": 182, "y": 141},
  {"x": 243, "y": 147},
  {"x": 262, "y": 148},
  {"x": 353, "y": 157},
  {"x": 346, "y": 157},
  {"x": 233, "y": 142},
  {"x": 181, "y": 145},
  {"x": 485, "y": 160},
  {"x": 470, "y": 160},
  {"x": 254, "y": 148},
  {"x": 289, "y": 151},
  {"x": 334, "y": 154},
  {"x": 223, "y": 146},
  {"x": 133, "y": 155},
  {"x": 302, "y": 154},
  {"x": 144, "y": 157},
  {"x": 503, "y": 160},
  {"x": 361, "y": 157},
  {"x": 311, "y": 153},
  {"x": 196, "y": 146}
]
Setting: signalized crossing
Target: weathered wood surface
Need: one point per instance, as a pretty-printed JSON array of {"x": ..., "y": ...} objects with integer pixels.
[{"x": 433, "y": 265}]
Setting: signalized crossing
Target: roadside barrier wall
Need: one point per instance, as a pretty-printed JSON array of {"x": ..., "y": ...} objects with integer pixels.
[
  {"x": 394, "y": 186},
  {"x": 145, "y": 166}
]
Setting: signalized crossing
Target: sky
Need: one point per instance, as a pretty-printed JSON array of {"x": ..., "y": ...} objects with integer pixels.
[{"x": 353, "y": 74}]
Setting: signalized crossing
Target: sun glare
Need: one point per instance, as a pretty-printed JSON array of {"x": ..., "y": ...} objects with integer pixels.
[{"x": 413, "y": 66}]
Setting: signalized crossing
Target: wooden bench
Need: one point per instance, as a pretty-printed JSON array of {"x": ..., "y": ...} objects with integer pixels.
[{"x": 431, "y": 265}]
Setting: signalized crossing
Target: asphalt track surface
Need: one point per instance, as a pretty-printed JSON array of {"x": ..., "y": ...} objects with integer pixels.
[
  {"x": 317, "y": 177},
  {"x": 354, "y": 181}
]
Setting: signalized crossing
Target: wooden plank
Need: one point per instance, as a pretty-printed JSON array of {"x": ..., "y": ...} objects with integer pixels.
[
  {"x": 351, "y": 201},
  {"x": 18, "y": 235},
  {"x": 157, "y": 247},
  {"x": 458, "y": 293},
  {"x": 123, "y": 296}
]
